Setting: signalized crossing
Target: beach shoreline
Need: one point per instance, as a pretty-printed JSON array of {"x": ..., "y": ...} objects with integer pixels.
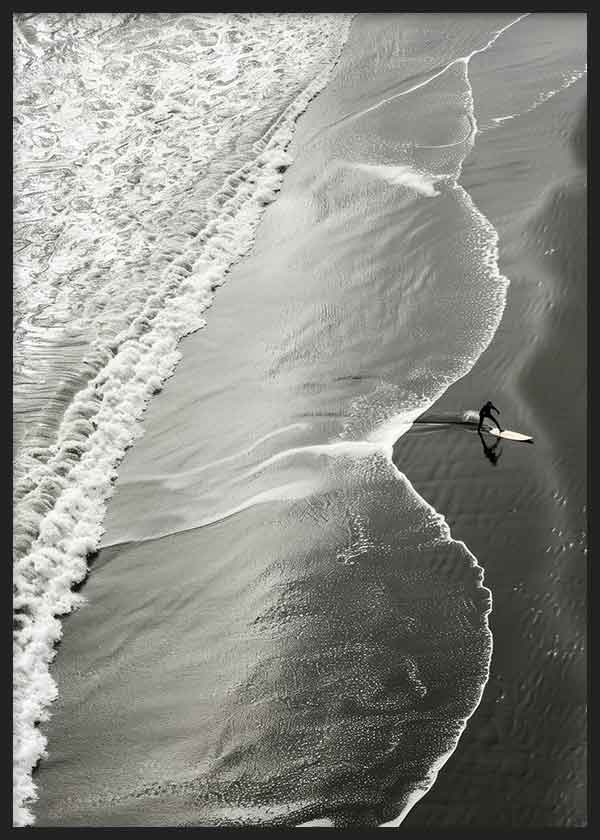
[
  {"x": 182, "y": 605},
  {"x": 525, "y": 519}
]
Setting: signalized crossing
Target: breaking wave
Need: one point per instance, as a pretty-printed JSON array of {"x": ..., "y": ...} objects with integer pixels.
[{"x": 99, "y": 308}]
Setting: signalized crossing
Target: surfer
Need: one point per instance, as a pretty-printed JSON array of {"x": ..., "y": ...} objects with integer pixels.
[
  {"x": 490, "y": 451},
  {"x": 486, "y": 411}
]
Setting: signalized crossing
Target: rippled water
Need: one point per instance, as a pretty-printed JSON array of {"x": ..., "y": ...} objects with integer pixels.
[
  {"x": 127, "y": 128},
  {"x": 322, "y": 638},
  {"x": 146, "y": 147}
]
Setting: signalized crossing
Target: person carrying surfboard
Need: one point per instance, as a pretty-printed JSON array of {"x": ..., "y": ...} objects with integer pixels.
[{"x": 486, "y": 411}]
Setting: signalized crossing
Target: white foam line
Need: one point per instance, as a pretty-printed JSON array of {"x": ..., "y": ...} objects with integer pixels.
[
  {"x": 464, "y": 58},
  {"x": 72, "y": 529},
  {"x": 226, "y": 459},
  {"x": 384, "y": 445},
  {"x": 446, "y": 145},
  {"x": 401, "y": 176},
  {"x": 496, "y": 36},
  {"x": 418, "y": 795},
  {"x": 63, "y": 500},
  {"x": 320, "y": 822},
  {"x": 283, "y": 492},
  {"x": 250, "y": 449},
  {"x": 299, "y": 489},
  {"x": 360, "y": 448},
  {"x": 386, "y": 433},
  {"x": 291, "y": 490},
  {"x": 542, "y": 98},
  {"x": 502, "y": 119}
]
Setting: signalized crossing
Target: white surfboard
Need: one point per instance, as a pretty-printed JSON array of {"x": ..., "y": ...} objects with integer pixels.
[{"x": 506, "y": 434}]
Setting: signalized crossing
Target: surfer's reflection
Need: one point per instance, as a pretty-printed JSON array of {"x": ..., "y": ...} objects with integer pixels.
[{"x": 490, "y": 451}]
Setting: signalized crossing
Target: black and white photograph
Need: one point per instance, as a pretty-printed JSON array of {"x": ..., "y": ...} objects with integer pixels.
[{"x": 300, "y": 419}]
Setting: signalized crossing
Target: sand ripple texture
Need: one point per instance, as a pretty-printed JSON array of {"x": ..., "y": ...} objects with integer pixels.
[{"x": 145, "y": 149}]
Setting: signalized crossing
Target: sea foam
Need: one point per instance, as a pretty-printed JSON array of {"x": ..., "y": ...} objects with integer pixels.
[
  {"x": 65, "y": 476},
  {"x": 402, "y": 176}
]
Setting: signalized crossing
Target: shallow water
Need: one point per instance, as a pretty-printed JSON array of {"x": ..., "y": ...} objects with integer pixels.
[
  {"x": 134, "y": 197},
  {"x": 279, "y": 628}
]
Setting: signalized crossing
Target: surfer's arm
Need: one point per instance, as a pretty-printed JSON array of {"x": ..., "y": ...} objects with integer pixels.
[{"x": 496, "y": 409}]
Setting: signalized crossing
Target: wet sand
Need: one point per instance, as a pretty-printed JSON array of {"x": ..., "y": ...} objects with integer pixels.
[{"x": 522, "y": 759}]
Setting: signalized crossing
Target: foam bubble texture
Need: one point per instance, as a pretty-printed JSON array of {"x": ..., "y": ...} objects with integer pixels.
[{"x": 135, "y": 196}]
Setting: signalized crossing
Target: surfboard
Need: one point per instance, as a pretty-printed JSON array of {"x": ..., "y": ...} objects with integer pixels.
[{"x": 506, "y": 434}]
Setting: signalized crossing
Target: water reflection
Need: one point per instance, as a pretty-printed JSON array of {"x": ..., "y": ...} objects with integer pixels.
[
  {"x": 493, "y": 452},
  {"x": 447, "y": 422}
]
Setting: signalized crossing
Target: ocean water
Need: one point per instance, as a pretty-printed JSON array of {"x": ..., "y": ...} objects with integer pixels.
[
  {"x": 145, "y": 148},
  {"x": 277, "y": 626}
]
